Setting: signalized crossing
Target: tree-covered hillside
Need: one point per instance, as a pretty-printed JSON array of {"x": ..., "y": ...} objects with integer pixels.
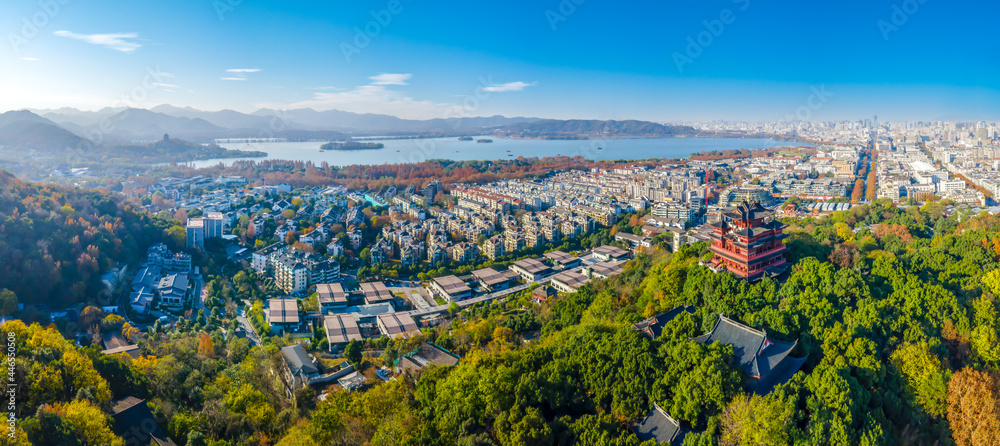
[
  {"x": 552, "y": 128},
  {"x": 55, "y": 242},
  {"x": 895, "y": 308},
  {"x": 171, "y": 150}
]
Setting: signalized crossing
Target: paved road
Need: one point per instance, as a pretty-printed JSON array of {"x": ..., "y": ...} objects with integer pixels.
[
  {"x": 201, "y": 292},
  {"x": 123, "y": 300},
  {"x": 249, "y": 330}
]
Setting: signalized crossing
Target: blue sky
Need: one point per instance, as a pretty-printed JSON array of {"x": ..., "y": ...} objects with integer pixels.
[{"x": 596, "y": 59}]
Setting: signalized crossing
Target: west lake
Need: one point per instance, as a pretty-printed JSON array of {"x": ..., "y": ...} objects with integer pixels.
[{"x": 418, "y": 150}]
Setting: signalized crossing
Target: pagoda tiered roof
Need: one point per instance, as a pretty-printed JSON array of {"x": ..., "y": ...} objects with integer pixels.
[
  {"x": 749, "y": 211},
  {"x": 747, "y": 243}
]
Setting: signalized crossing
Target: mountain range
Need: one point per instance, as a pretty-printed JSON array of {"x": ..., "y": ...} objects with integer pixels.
[
  {"x": 56, "y": 129},
  {"x": 131, "y": 124},
  {"x": 24, "y": 130}
]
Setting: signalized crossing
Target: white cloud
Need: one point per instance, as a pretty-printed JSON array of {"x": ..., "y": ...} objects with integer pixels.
[
  {"x": 240, "y": 74},
  {"x": 378, "y": 96},
  {"x": 115, "y": 41},
  {"x": 375, "y": 97},
  {"x": 509, "y": 86},
  {"x": 391, "y": 79},
  {"x": 164, "y": 85},
  {"x": 30, "y": 59}
]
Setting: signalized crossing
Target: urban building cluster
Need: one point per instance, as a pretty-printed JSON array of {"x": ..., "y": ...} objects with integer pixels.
[
  {"x": 164, "y": 281},
  {"x": 912, "y": 161}
]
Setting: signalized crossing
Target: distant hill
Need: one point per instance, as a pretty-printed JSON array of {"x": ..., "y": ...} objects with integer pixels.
[
  {"x": 555, "y": 129},
  {"x": 71, "y": 117},
  {"x": 349, "y": 122},
  {"x": 172, "y": 149},
  {"x": 229, "y": 119},
  {"x": 67, "y": 126},
  {"x": 24, "y": 130},
  {"x": 199, "y": 125},
  {"x": 22, "y": 116},
  {"x": 136, "y": 123}
]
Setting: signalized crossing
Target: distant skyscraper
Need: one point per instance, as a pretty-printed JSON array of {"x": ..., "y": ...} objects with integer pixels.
[{"x": 983, "y": 134}]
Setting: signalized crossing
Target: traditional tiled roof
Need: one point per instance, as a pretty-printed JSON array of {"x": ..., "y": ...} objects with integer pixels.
[
  {"x": 659, "y": 426},
  {"x": 764, "y": 360},
  {"x": 135, "y": 423},
  {"x": 748, "y": 211},
  {"x": 746, "y": 341},
  {"x": 298, "y": 360},
  {"x": 772, "y": 353},
  {"x": 781, "y": 373},
  {"x": 652, "y": 328}
]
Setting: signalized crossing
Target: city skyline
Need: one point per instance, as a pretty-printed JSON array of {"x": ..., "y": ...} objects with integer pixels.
[{"x": 735, "y": 60}]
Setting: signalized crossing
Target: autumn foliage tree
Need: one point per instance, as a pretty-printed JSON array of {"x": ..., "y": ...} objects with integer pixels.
[
  {"x": 403, "y": 173},
  {"x": 859, "y": 191},
  {"x": 205, "y": 346},
  {"x": 55, "y": 242},
  {"x": 882, "y": 230},
  {"x": 871, "y": 193},
  {"x": 974, "y": 407},
  {"x": 130, "y": 333}
]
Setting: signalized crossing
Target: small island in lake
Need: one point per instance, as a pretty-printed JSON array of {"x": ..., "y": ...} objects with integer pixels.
[
  {"x": 351, "y": 145},
  {"x": 484, "y": 140},
  {"x": 465, "y": 138}
]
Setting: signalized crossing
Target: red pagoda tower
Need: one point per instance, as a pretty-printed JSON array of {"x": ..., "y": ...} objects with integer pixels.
[{"x": 748, "y": 243}]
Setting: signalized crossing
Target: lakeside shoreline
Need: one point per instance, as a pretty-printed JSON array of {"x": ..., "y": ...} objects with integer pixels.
[{"x": 449, "y": 148}]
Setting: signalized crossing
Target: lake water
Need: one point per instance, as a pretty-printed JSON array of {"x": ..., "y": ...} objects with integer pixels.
[{"x": 418, "y": 150}]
